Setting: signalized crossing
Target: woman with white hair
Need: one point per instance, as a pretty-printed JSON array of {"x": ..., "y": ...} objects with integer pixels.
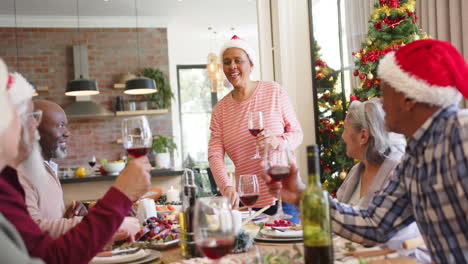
[{"x": 378, "y": 150}]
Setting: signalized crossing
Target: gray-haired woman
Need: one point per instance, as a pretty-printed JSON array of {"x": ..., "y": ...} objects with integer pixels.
[{"x": 378, "y": 151}]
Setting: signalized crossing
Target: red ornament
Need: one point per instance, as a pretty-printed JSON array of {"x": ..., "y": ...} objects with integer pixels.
[
  {"x": 353, "y": 98},
  {"x": 356, "y": 73},
  {"x": 320, "y": 75},
  {"x": 362, "y": 76},
  {"x": 333, "y": 195}
]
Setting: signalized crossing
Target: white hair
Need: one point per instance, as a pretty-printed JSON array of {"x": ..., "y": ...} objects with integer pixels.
[{"x": 370, "y": 115}]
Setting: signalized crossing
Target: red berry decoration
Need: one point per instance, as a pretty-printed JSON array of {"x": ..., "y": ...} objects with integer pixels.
[
  {"x": 362, "y": 76},
  {"x": 356, "y": 73},
  {"x": 353, "y": 98}
]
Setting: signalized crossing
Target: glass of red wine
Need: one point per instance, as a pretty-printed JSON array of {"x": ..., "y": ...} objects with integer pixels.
[
  {"x": 278, "y": 165},
  {"x": 214, "y": 227},
  {"x": 255, "y": 128},
  {"x": 92, "y": 163},
  {"x": 136, "y": 136},
  {"x": 248, "y": 190}
]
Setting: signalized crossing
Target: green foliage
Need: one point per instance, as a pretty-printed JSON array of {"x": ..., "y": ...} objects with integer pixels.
[
  {"x": 162, "y": 144},
  {"x": 390, "y": 26},
  {"x": 331, "y": 115},
  {"x": 162, "y": 98}
]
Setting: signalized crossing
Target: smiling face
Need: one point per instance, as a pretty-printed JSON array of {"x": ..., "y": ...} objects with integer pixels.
[
  {"x": 237, "y": 66},
  {"x": 53, "y": 130}
]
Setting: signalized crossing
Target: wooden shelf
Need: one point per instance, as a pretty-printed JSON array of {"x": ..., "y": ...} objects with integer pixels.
[{"x": 142, "y": 112}]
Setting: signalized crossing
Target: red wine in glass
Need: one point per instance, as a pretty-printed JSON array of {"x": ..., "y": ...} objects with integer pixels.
[
  {"x": 216, "y": 248},
  {"x": 249, "y": 200},
  {"x": 137, "y": 152},
  {"x": 277, "y": 173},
  {"x": 92, "y": 163},
  {"x": 255, "y": 132}
]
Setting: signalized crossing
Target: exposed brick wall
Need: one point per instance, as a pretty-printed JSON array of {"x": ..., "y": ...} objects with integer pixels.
[{"x": 45, "y": 57}]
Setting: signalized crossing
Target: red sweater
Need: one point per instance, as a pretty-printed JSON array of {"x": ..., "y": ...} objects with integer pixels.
[{"x": 81, "y": 243}]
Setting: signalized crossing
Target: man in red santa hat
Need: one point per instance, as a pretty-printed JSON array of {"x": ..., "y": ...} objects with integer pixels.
[{"x": 422, "y": 84}]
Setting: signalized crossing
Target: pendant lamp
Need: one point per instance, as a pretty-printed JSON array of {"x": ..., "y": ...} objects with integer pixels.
[
  {"x": 81, "y": 86},
  {"x": 140, "y": 84}
]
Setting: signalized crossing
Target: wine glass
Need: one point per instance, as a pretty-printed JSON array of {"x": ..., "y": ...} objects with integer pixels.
[
  {"x": 214, "y": 227},
  {"x": 255, "y": 128},
  {"x": 249, "y": 190},
  {"x": 278, "y": 165},
  {"x": 136, "y": 136},
  {"x": 92, "y": 163}
]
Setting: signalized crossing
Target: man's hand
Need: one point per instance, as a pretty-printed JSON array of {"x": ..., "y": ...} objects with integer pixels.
[
  {"x": 232, "y": 195},
  {"x": 134, "y": 180},
  {"x": 75, "y": 209},
  {"x": 127, "y": 230},
  {"x": 291, "y": 187}
]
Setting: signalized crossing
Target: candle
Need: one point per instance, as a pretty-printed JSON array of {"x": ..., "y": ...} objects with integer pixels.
[{"x": 172, "y": 195}]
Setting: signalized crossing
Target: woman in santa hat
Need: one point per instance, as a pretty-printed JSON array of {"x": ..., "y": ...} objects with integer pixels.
[{"x": 229, "y": 124}]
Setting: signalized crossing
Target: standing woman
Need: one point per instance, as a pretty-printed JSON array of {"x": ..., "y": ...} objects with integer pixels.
[{"x": 229, "y": 124}]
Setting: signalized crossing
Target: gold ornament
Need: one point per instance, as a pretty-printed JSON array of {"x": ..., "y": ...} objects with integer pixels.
[
  {"x": 369, "y": 42},
  {"x": 358, "y": 55},
  {"x": 370, "y": 76},
  {"x": 416, "y": 37},
  {"x": 343, "y": 175}
]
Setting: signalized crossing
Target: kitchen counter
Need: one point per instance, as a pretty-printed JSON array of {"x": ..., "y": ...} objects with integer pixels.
[
  {"x": 93, "y": 188},
  {"x": 99, "y": 177}
]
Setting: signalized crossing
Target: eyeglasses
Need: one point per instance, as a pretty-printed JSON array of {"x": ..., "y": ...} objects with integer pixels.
[{"x": 37, "y": 115}]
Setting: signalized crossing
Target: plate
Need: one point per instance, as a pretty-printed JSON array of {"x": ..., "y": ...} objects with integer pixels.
[
  {"x": 165, "y": 245},
  {"x": 279, "y": 234},
  {"x": 261, "y": 238},
  {"x": 245, "y": 215},
  {"x": 135, "y": 257}
]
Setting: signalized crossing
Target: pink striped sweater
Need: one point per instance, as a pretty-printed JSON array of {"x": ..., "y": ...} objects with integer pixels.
[{"x": 230, "y": 134}]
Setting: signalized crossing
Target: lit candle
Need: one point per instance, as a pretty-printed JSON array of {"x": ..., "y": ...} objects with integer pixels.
[{"x": 172, "y": 195}]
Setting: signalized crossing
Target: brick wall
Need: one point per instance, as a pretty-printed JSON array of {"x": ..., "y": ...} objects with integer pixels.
[{"x": 45, "y": 57}]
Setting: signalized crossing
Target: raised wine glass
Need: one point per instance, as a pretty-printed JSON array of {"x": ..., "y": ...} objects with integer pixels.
[
  {"x": 214, "y": 227},
  {"x": 278, "y": 166},
  {"x": 136, "y": 136},
  {"x": 255, "y": 128},
  {"x": 248, "y": 190},
  {"x": 92, "y": 163}
]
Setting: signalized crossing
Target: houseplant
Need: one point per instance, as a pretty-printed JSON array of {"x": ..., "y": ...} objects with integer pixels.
[
  {"x": 163, "y": 147},
  {"x": 162, "y": 98}
]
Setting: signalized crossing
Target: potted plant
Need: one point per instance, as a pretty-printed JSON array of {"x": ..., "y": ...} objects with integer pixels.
[
  {"x": 162, "y": 98},
  {"x": 163, "y": 147}
]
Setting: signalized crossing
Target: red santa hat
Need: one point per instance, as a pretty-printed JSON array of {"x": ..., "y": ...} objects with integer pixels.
[
  {"x": 428, "y": 71},
  {"x": 21, "y": 91},
  {"x": 236, "y": 42},
  {"x": 6, "y": 115}
]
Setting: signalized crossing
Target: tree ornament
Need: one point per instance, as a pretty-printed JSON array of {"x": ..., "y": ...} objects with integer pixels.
[
  {"x": 416, "y": 37},
  {"x": 369, "y": 42},
  {"x": 343, "y": 175},
  {"x": 355, "y": 73},
  {"x": 370, "y": 76},
  {"x": 362, "y": 76}
]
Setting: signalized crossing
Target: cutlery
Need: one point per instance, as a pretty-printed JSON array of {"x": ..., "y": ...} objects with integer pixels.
[
  {"x": 255, "y": 215},
  {"x": 277, "y": 229},
  {"x": 111, "y": 254}
]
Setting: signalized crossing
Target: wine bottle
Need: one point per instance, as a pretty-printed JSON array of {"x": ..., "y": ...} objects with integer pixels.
[
  {"x": 189, "y": 196},
  {"x": 318, "y": 246}
]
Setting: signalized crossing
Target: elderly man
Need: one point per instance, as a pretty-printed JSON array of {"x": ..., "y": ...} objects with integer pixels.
[
  {"x": 83, "y": 241},
  {"x": 430, "y": 186},
  {"x": 12, "y": 248},
  {"x": 40, "y": 181}
]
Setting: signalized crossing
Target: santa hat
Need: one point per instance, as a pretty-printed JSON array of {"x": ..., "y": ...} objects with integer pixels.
[
  {"x": 21, "y": 91},
  {"x": 6, "y": 115},
  {"x": 428, "y": 71},
  {"x": 236, "y": 42}
]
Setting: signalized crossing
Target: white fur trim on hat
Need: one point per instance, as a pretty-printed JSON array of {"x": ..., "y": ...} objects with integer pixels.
[
  {"x": 21, "y": 92},
  {"x": 414, "y": 87},
  {"x": 241, "y": 44},
  {"x": 6, "y": 114}
]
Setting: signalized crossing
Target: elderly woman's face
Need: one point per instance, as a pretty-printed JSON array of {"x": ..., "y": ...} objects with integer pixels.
[
  {"x": 353, "y": 141},
  {"x": 236, "y": 66}
]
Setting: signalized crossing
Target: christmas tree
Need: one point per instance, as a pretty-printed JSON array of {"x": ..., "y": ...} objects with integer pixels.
[
  {"x": 392, "y": 24},
  {"x": 331, "y": 114}
]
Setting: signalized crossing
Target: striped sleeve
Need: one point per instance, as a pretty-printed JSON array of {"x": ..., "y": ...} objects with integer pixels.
[
  {"x": 292, "y": 129},
  {"x": 216, "y": 151}
]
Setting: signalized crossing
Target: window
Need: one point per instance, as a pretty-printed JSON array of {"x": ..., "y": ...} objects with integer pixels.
[{"x": 195, "y": 107}]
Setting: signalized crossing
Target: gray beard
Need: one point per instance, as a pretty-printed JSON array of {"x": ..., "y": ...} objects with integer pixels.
[
  {"x": 59, "y": 153},
  {"x": 34, "y": 169}
]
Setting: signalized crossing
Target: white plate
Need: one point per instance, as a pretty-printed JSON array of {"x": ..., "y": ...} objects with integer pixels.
[
  {"x": 124, "y": 258},
  {"x": 165, "y": 245},
  {"x": 245, "y": 215},
  {"x": 261, "y": 238},
  {"x": 278, "y": 234}
]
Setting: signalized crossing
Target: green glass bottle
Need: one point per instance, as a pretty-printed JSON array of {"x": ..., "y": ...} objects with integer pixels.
[{"x": 318, "y": 246}]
